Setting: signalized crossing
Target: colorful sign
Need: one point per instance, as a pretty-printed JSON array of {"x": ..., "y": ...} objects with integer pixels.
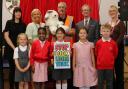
[{"x": 62, "y": 55}]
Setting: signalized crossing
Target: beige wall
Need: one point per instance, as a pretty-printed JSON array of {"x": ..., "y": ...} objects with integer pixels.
[
  {"x": 6, "y": 15},
  {"x": 103, "y": 10}
]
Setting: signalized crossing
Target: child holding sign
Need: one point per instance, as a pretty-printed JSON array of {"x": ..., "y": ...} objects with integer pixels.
[
  {"x": 63, "y": 74},
  {"x": 84, "y": 70},
  {"x": 39, "y": 59}
]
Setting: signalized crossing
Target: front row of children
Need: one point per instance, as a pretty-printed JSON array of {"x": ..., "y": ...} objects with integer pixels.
[{"x": 85, "y": 73}]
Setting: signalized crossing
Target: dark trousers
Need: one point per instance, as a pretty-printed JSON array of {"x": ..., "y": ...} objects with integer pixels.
[
  {"x": 9, "y": 55},
  {"x": 1, "y": 75},
  {"x": 70, "y": 82},
  {"x": 13, "y": 84},
  {"x": 105, "y": 75},
  {"x": 119, "y": 70}
]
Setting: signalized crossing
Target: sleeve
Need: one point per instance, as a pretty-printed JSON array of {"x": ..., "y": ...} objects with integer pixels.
[
  {"x": 51, "y": 49},
  {"x": 15, "y": 54},
  {"x": 24, "y": 27},
  {"x": 92, "y": 45},
  {"x": 29, "y": 31},
  {"x": 122, "y": 33},
  {"x": 77, "y": 31},
  {"x": 115, "y": 50},
  {"x": 7, "y": 26},
  {"x": 74, "y": 45},
  {"x": 32, "y": 53},
  {"x": 96, "y": 48},
  {"x": 97, "y": 32}
]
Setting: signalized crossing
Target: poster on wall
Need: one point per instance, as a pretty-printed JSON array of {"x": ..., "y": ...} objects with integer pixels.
[
  {"x": 62, "y": 55},
  {"x": 11, "y": 4}
]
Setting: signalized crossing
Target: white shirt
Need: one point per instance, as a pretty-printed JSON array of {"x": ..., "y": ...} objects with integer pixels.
[
  {"x": 104, "y": 40},
  {"x": 42, "y": 43},
  {"x": 88, "y": 19},
  {"x": 32, "y": 29},
  {"x": 59, "y": 41},
  {"x": 22, "y": 48}
]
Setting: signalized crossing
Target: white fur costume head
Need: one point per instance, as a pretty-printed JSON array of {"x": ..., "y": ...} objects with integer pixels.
[{"x": 52, "y": 21}]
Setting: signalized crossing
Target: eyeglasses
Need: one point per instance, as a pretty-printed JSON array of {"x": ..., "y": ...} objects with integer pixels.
[
  {"x": 85, "y": 10},
  {"x": 61, "y": 6},
  {"x": 112, "y": 11}
]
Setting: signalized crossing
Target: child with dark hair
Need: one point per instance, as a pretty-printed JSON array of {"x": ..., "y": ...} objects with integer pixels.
[
  {"x": 60, "y": 75},
  {"x": 84, "y": 71},
  {"x": 39, "y": 55}
]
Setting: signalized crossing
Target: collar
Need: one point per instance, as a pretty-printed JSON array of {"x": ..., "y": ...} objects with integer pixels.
[
  {"x": 104, "y": 40},
  {"x": 63, "y": 17},
  {"x": 88, "y": 19},
  {"x": 83, "y": 42},
  {"x": 114, "y": 24},
  {"x": 59, "y": 41},
  {"x": 23, "y": 46},
  {"x": 41, "y": 42}
]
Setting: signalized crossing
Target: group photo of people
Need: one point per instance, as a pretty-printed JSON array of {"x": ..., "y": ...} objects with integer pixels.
[{"x": 56, "y": 50}]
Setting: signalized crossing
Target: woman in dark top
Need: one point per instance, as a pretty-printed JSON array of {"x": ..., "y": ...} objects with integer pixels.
[
  {"x": 118, "y": 33},
  {"x": 12, "y": 29}
]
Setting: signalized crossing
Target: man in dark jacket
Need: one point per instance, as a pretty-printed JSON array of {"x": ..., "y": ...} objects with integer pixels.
[{"x": 91, "y": 25}]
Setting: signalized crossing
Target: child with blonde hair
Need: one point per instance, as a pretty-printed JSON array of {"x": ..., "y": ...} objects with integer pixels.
[
  {"x": 22, "y": 72},
  {"x": 106, "y": 51}
]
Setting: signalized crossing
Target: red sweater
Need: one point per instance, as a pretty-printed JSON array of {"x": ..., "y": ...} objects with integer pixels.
[
  {"x": 106, "y": 53},
  {"x": 38, "y": 53}
]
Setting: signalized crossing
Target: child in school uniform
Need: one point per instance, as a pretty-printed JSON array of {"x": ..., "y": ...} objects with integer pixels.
[
  {"x": 60, "y": 75},
  {"x": 84, "y": 71},
  {"x": 22, "y": 72},
  {"x": 106, "y": 52},
  {"x": 39, "y": 55}
]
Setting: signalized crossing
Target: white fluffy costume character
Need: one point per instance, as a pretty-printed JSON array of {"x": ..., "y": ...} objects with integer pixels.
[{"x": 52, "y": 21}]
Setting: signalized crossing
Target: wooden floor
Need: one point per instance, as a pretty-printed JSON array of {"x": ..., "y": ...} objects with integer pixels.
[
  {"x": 6, "y": 86},
  {"x": 50, "y": 85}
]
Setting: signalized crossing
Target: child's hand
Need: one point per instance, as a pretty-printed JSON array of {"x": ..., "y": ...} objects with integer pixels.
[
  {"x": 52, "y": 61},
  {"x": 22, "y": 70},
  {"x": 70, "y": 52},
  {"x": 33, "y": 68},
  {"x": 25, "y": 69}
]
